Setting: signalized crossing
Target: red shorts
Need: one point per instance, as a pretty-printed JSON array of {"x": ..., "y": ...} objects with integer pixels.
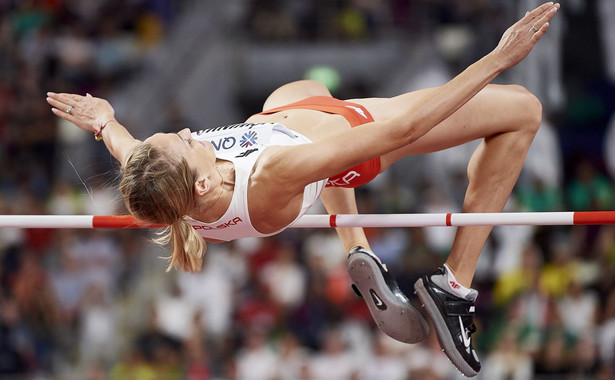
[{"x": 356, "y": 114}]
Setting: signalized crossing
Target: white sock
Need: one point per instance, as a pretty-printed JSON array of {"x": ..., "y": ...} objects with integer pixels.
[{"x": 455, "y": 287}]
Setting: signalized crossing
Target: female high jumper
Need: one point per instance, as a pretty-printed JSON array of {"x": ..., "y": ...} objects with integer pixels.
[{"x": 256, "y": 178}]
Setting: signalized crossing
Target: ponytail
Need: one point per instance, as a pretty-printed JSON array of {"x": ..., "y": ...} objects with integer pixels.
[
  {"x": 157, "y": 189},
  {"x": 187, "y": 246}
]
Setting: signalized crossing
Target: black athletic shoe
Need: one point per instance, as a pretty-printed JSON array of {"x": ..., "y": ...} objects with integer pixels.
[
  {"x": 389, "y": 306},
  {"x": 452, "y": 318}
]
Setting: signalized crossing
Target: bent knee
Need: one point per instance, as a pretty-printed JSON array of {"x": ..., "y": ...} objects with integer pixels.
[
  {"x": 293, "y": 92},
  {"x": 529, "y": 106}
]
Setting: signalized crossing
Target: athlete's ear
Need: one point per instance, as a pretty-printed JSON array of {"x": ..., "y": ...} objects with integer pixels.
[{"x": 201, "y": 185}]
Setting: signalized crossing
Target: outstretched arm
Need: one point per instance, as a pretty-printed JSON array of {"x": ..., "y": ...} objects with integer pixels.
[
  {"x": 97, "y": 116},
  {"x": 350, "y": 147}
]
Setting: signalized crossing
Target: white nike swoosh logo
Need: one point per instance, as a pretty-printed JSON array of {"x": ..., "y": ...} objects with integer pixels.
[
  {"x": 358, "y": 110},
  {"x": 464, "y": 334},
  {"x": 377, "y": 300}
]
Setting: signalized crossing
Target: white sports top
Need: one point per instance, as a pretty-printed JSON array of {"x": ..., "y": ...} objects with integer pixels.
[{"x": 242, "y": 144}]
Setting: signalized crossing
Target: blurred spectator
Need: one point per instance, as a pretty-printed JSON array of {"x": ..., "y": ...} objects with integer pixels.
[
  {"x": 553, "y": 358},
  {"x": 210, "y": 292},
  {"x": 325, "y": 248},
  {"x": 175, "y": 313},
  {"x": 508, "y": 360},
  {"x": 160, "y": 351},
  {"x": 257, "y": 360},
  {"x": 390, "y": 244},
  {"x": 517, "y": 281},
  {"x": 585, "y": 358},
  {"x": 334, "y": 360},
  {"x": 257, "y": 309},
  {"x": 34, "y": 297},
  {"x": 197, "y": 358},
  {"x": 385, "y": 363},
  {"x": 309, "y": 319},
  {"x": 230, "y": 259},
  {"x": 97, "y": 251},
  {"x": 578, "y": 310},
  {"x": 530, "y": 312},
  {"x": 606, "y": 13},
  {"x": 98, "y": 330},
  {"x": 15, "y": 352},
  {"x": 64, "y": 200},
  {"x": 153, "y": 354},
  {"x": 132, "y": 366},
  {"x": 176, "y": 119},
  {"x": 538, "y": 196},
  {"x": 589, "y": 190},
  {"x": 293, "y": 358},
  {"x": 271, "y": 21},
  {"x": 116, "y": 51},
  {"x": 560, "y": 271},
  {"x": 285, "y": 278},
  {"x": 69, "y": 281},
  {"x": 104, "y": 199},
  {"x": 427, "y": 361},
  {"x": 75, "y": 53},
  {"x": 544, "y": 160},
  {"x": 505, "y": 250},
  {"x": 606, "y": 333}
]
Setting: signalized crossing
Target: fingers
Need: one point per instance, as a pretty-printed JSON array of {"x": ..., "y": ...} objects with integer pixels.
[
  {"x": 542, "y": 24},
  {"x": 69, "y": 99},
  {"x": 62, "y": 100},
  {"x": 63, "y": 115},
  {"x": 66, "y": 116},
  {"x": 61, "y": 105},
  {"x": 533, "y": 16},
  {"x": 540, "y": 32},
  {"x": 548, "y": 15}
]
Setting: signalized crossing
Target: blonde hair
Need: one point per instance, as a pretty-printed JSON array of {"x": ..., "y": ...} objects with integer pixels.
[{"x": 158, "y": 188}]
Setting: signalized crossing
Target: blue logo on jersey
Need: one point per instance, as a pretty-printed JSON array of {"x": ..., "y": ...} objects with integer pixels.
[
  {"x": 225, "y": 143},
  {"x": 248, "y": 139}
]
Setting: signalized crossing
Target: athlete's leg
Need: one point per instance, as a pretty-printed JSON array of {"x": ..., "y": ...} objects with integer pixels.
[
  {"x": 507, "y": 117},
  {"x": 293, "y": 92},
  {"x": 388, "y": 305},
  {"x": 339, "y": 200}
]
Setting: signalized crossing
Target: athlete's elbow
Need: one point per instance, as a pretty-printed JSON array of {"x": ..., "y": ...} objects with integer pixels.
[{"x": 409, "y": 132}]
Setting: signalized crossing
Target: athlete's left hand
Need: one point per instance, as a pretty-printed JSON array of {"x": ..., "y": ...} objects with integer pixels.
[
  {"x": 521, "y": 37},
  {"x": 86, "y": 112}
]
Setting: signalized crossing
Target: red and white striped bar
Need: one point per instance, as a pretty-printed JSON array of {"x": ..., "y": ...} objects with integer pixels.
[
  {"x": 341, "y": 220},
  {"x": 457, "y": 219}
]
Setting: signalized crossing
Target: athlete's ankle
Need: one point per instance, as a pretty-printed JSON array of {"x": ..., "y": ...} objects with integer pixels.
[
  {"x": 352, "y": 247},
  {"x": 459, "y": 277},
  {"x": 453, "y": 285}
]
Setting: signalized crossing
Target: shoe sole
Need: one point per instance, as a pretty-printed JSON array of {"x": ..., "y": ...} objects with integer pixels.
[
  {"x": 443, "y": 334},
  {"x": 396, "y": 318}
]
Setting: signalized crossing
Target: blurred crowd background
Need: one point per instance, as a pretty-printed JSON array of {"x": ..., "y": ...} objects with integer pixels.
[{"x": 98, "y": 304}]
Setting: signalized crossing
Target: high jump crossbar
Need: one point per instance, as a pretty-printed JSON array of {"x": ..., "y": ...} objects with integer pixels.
[{"x": 339, "y": 220}]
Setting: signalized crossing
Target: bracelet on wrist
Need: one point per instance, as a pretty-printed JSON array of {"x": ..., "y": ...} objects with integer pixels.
[{"x": 98, "y": 135}]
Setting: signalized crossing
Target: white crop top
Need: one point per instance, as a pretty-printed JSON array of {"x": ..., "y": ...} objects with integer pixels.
[{"x": 242, "y": 144}]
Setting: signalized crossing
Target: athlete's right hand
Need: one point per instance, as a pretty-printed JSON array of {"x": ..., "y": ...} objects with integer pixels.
[
  {"x": 520, "y": 38},
  {"x": 86, "y": 112}
]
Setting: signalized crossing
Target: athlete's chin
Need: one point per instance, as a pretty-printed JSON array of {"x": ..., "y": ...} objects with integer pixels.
[{"x": 208, "y": 145}]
